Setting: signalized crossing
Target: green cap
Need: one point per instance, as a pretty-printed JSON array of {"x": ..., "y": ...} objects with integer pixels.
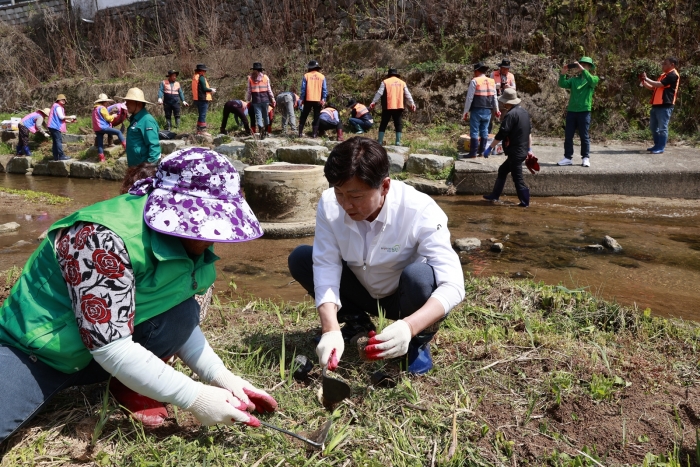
[{"x": 588, "y": 60}]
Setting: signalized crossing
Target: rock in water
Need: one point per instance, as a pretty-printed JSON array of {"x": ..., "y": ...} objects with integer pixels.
[
  {"x": 611, "y": 244},
  {"x": 467, "y": 244},
  {"x": 497, "y": 247},
  {"x": 595, "y": 247},
  {"x": 9, "y": 227}
]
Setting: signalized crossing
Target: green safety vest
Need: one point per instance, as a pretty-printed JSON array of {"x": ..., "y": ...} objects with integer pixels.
[{"x": 38, "y": 316}]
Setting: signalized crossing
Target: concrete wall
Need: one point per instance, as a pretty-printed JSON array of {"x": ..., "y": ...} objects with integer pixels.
[
  {"x": 20, "y": 14},
  {"x": 88, "y": 8}
]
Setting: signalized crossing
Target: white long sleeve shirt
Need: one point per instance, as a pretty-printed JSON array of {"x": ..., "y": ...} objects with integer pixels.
[{"x": 410, "y": 228}]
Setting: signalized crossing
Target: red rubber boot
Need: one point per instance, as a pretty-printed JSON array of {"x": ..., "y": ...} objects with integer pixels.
[{"x": 149, "y": 412}]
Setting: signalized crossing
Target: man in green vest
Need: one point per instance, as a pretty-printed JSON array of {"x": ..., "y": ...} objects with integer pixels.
[
  {"x": 113, "y": 295},
  {"x": 142, "y": 142}
]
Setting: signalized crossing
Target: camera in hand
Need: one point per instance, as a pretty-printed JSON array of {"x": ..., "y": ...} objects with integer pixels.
[{"x": 572, "y": 66}]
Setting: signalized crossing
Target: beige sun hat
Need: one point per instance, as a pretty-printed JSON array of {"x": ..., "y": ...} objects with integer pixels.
[
  {"x": 45, "y": 111},
  {"x": 61, "y": 97},
  {"x": 135, "y": 94},
  {"x": 509, "y": 96},
  {"x": 103, "y": 98}
]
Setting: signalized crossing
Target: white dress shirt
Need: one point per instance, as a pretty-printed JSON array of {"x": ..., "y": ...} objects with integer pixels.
[{"x": 410, "y": 228}]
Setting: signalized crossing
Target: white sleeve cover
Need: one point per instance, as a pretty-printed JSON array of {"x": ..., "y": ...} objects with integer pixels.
[
  {"x": 200, "y": 357},
  {"x": 141, "y": 371}
]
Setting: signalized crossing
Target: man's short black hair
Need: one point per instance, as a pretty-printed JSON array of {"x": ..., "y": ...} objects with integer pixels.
[
  {"x": 359, "y": 157},
  {"x": 673, "y": 61}
]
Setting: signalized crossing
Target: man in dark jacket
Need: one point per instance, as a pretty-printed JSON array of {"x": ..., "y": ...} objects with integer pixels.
[{"x": 515, "y": 132}]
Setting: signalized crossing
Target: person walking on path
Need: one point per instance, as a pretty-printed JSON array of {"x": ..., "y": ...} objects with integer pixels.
[
  {"x": 314, "y": 93},
  {"x": 516, "y": 134},
  {"x": 121, "y": 113},
  {"x": 31, "y": 123},
  {"x": 360, "y": 118},
  {"x": 392, "y": 93},
  {"x": 330, "y": 119},
  {"x": 663, "y": 98},
  {"x": 504, "y": 79},
  {"x": 480, "y": 103},
  {"x": 239, "y": 109},
  {"x": 378, "y": 243},
  {"x": 170, "y": 95},
  {"x": 117, "y": 298},
  {"x": 142, "y": 143},
  {"x": 102, "y": 125},
  {"x": 578, "y": 113},
  {"x": 57, "y": 126},
  {"x": 288, "y": 102},
  {"x": 259, "y": 94},
  {"x": 201, "y": 96}
]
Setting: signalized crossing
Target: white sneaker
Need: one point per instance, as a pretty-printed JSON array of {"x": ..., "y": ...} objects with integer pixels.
[
  {"x": 586, "y": 162},
  {"x": 565, "y": 161}
]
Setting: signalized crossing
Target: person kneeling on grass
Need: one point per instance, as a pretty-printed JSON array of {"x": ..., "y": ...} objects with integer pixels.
[
  {"x": 108, "y": 294},
  {"x": 378, "y": 243}
]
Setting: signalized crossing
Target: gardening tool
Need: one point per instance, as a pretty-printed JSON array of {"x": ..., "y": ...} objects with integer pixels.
[
  {"x": 316, "y": 439},
  {"x": 334, "y": 390}
]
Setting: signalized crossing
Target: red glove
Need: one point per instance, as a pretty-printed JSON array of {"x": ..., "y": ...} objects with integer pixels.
[
  {"x": 371, "y": 106},
  {"x": 333, "y": 361},
  {"x": 371, "y": 351},
  {"x": 532, "y": 164}
]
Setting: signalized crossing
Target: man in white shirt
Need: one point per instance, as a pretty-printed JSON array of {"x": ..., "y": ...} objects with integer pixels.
[{"x": 378, "y": 243}]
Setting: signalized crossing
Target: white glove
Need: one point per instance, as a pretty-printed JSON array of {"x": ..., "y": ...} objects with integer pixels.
[
  {"x": 215, "y": 405},
  {"x": 213, "y": 90},
  {"x": 46, "y": 135},
  {"x": 160, "y": 101},
  {"x": 185, "y": 104},
  {"x": 392, "y": 342},
  {"x": 252, "y": 397},
  {"x": 329, "y": 341}
]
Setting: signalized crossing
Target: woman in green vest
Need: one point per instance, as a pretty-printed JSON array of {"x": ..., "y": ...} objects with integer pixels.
[{"x": 110, "y": 291}]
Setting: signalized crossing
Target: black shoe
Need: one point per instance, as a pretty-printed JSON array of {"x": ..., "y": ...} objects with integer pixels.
[{"x": 354, "y": 328}]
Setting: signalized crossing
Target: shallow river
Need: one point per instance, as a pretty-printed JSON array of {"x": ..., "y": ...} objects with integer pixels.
[{"x": 659, "y": 267}]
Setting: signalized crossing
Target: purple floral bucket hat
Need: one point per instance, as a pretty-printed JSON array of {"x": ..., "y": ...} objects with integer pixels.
[{"x": 196, "y": 193}]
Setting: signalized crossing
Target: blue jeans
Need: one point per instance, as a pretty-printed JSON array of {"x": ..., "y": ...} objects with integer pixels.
[
  {"x": 658, "y": 122},
  {"x": 57, "y": 144},
  {"x": 364, "y": 124},
  {"x": 26, "y": 386},
  {"x": 580, "y": 121},
  {"x": 100, "y": 140},
  {"x": 479, "y": 119},
  {"x": 262, "y": 119},
  {"x": 202, "y": 107}
]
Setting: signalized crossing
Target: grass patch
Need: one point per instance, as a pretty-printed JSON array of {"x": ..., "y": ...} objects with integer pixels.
[
  {"x": 525, "y": 374},
  {"x": 37, "y": 196}
]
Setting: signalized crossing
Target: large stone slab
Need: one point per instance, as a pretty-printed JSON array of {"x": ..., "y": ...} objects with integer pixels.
[
  {"x": 396, "y": 162},
  {"x": 303, "y": 154},
  {"x": 73, "y": 138},
  {"x": 309, "y": 141},
  {"x": 4, "y": 159},
  {"x": 232, "y": 150},
  {"x": 41, "y": 168},
  {"x": 18, "y": 165},
  {"x": 8, "y": 135},
  {"x": 403, "y": 150},
  {"x": 85, "y": 170},
  {"x": 117, "y": 171},
  {"x": 59, "y": 168},
  {"x": 111, "y": 152},
  {"x": 429, "y": 187},
  {"x": 258, "y": 152},
  {"x": 169, "y": 146},
  {"x": 427, "y": 163},
  {"x": 9, "y": 227},
  {"x": 221, "y": 139}
]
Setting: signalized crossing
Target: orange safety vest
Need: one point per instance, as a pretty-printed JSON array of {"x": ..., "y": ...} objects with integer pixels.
[
  {"x": 658, "y": 97},
  {"x": 195, "y": 88},
  {"x": 262, "y": 86},
  {"x": 328, "y": 111},
  {"x": 485, "y": 87},
  {"x": 360, "y": 110},
  {"x": 171, "y": 88},
  {"x": 510, "y": 79},
  {"x": 314, "y": 86},
  {"x": 394, "y": 90}
]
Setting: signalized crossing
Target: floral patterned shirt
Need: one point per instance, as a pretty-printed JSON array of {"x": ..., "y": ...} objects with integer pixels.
[{"x": 97, "y": 270}]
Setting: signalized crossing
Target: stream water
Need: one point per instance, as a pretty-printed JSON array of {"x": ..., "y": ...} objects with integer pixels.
[{"x": 659, "y": 267}]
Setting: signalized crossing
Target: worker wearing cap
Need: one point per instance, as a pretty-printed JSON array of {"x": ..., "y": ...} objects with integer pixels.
[
  {"x": 504, "y": 79},
  {"x": 314, "y": 93},
  {"x": 259, "y": 94},
  {"x": 665, "y": 91},
  {"x": 578, "y": 113},
  {"x": 516, "y": 134},
  {"x": 360, "y": 118},
  {"x": 142, "y": 144},
  {"x": 239, "y": 109},
  {"x": 201, "y": 96},
  {"x": 57, "y": 126},
  {"x": 479, "y": 105},
  {"x": 170, "y": 95},
  {"x": 392, "y": 92},
  {"x": 31, "y": 123},
  {"x": 102, "y": 121},
  {"x": 288, "y": 101}
]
